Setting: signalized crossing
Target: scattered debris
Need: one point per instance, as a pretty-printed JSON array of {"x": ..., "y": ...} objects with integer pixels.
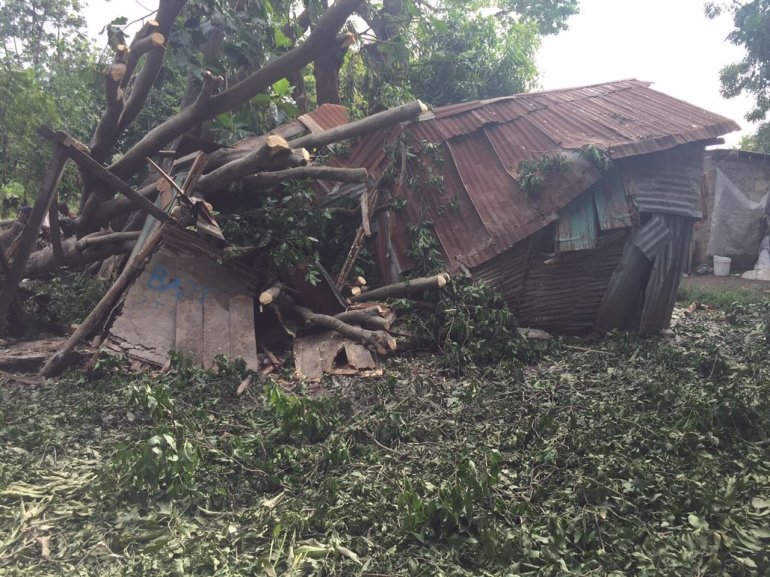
[{"x": 333, "y": 354}]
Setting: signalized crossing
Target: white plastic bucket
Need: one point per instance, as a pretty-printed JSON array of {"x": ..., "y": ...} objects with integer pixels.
[{"x": 722, "y": 265}]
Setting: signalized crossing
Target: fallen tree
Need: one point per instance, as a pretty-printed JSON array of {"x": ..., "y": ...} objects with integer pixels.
[{"x": 288, "y": 153}]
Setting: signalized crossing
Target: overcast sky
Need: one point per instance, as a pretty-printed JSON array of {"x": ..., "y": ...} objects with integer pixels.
[{"x": 668, "y": 42}]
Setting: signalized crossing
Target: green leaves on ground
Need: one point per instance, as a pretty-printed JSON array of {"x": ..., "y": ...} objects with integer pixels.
[{"x": 630, "y": 456}]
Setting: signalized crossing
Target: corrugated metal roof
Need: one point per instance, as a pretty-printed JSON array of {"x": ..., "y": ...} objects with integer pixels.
[
  {"x": 483, "y": 143},
  {"x": 325, "y": 117}
]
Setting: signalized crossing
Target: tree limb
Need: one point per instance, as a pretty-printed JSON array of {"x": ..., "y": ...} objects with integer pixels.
[
  {"x": 315, "y": 172},
  {"x": 147, "y": 39},
  {"x": 113, "y": 237},
  {"x": 168, "y": 10},
  {"x": 381, "y": 340},
  {"x": 106, "y": 132},
  {"x": 360, "y": 127},
  {"x": 87, "y": 163},
  {"x": 402, "y": 289},
  {"x": 325, "y": 31},
  {"x": 42, "y": 262},
  {"x": 51, "y": 179}
]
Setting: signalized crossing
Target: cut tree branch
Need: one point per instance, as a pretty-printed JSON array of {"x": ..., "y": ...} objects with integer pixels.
[
  {"x": 381, "y": 340},
  {"x": 403, "y": 289},
  {"x": 141, "y": 46},
  {"x": 75, "y": 152},
  {"x": 42, "y": 262},
  {"x": 107, "y": 238},
  {"x": 274, "y": 148},
  {"x": 106, "y": 132},
  {"x": 211, "y": 83},
  {"x": 168, "y": 10},
  {"x": 51, "y": 179},
  {"x": 102, "y": 213},
  {"x": 324, "y": 32},
  {"x": 360, "y": 127},
  {"x": 316, "y": 172}
]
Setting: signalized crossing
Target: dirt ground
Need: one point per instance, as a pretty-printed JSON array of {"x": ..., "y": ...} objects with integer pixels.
[{"x": 726, "y": 283}]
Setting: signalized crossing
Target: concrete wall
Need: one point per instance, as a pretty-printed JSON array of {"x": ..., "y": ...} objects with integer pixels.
[{"x": 750, "y": 172}]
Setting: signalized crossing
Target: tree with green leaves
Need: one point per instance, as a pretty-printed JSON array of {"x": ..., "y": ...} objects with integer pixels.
[
  {"x": 35, "y": 32},
  {"x": 751, "y": 20},
  {"x": 48, "y": 73},
  {"x": 231, "y": 65},
  {"x": 449, "y": 51}
]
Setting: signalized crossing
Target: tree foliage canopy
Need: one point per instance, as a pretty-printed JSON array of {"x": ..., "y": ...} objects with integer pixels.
[{"x": 752, "y": 74}]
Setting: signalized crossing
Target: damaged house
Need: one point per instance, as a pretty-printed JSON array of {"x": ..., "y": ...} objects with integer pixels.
[{"x": 577, "y": 204}]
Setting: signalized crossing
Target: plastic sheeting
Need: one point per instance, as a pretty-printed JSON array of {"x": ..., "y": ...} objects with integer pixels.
[{"x": 736, "y": 223}]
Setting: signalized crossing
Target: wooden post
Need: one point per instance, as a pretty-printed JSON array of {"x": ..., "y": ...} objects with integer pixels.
[
  {"x": 53, "y": 223},
  {"x": 51, "y": 179},
  {"x": 95, "y": 169}
]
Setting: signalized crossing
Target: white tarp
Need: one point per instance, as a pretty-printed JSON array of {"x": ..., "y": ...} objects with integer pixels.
[{"x": 736, "y": 221}]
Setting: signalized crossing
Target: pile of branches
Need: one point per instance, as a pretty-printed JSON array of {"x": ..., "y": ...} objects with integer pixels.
[{"x": 112, "y": 211}]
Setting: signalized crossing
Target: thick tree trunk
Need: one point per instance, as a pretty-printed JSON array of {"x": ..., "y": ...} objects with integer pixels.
[
  {"x": 43, "y": 262},
  {"x": 207, "y": 108},
  {"x": 51, "y": 179}
]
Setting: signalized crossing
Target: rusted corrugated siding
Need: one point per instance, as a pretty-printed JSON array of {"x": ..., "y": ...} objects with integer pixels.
[
  {"x": 325, "y": 117},
  {"x": 565, "y": 295},
  {"x": 506, "y": 272},
  {"x": 667, "y": 183},
  {"x": 666, "y": 274},
  {"x": 484, "y": 142}
]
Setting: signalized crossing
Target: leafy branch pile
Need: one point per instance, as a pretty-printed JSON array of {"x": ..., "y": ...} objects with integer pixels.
[
  {"x": 640, "y": 456},
  {"x": 531, "y": 174}
]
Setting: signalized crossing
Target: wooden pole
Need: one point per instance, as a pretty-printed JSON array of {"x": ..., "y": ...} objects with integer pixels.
[
  {"x": 51, "y": 179},
  {"x": 53, "y": 223},
  {"x": 98, "y": 171}
]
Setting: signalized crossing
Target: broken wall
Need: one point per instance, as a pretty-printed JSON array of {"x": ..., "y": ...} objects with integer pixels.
[{"x": 184, "y": 300}]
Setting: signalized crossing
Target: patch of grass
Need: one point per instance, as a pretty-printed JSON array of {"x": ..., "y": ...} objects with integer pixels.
[
  {"x": 631, "y": 456},
  {"x": 719, "y": 297}
]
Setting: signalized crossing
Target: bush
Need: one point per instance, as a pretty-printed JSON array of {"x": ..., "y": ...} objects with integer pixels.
[{"x": 470, "y": 325}]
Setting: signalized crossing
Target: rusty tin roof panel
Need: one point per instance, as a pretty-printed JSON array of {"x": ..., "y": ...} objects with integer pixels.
[
  {"x": 325, "y": 117},
  {"x": 486, "y": 140},
  {"x": 565, "y": 295}
]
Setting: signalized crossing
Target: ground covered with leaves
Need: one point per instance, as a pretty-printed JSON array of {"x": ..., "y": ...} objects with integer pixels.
[{"x": 629, "y": 456}]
